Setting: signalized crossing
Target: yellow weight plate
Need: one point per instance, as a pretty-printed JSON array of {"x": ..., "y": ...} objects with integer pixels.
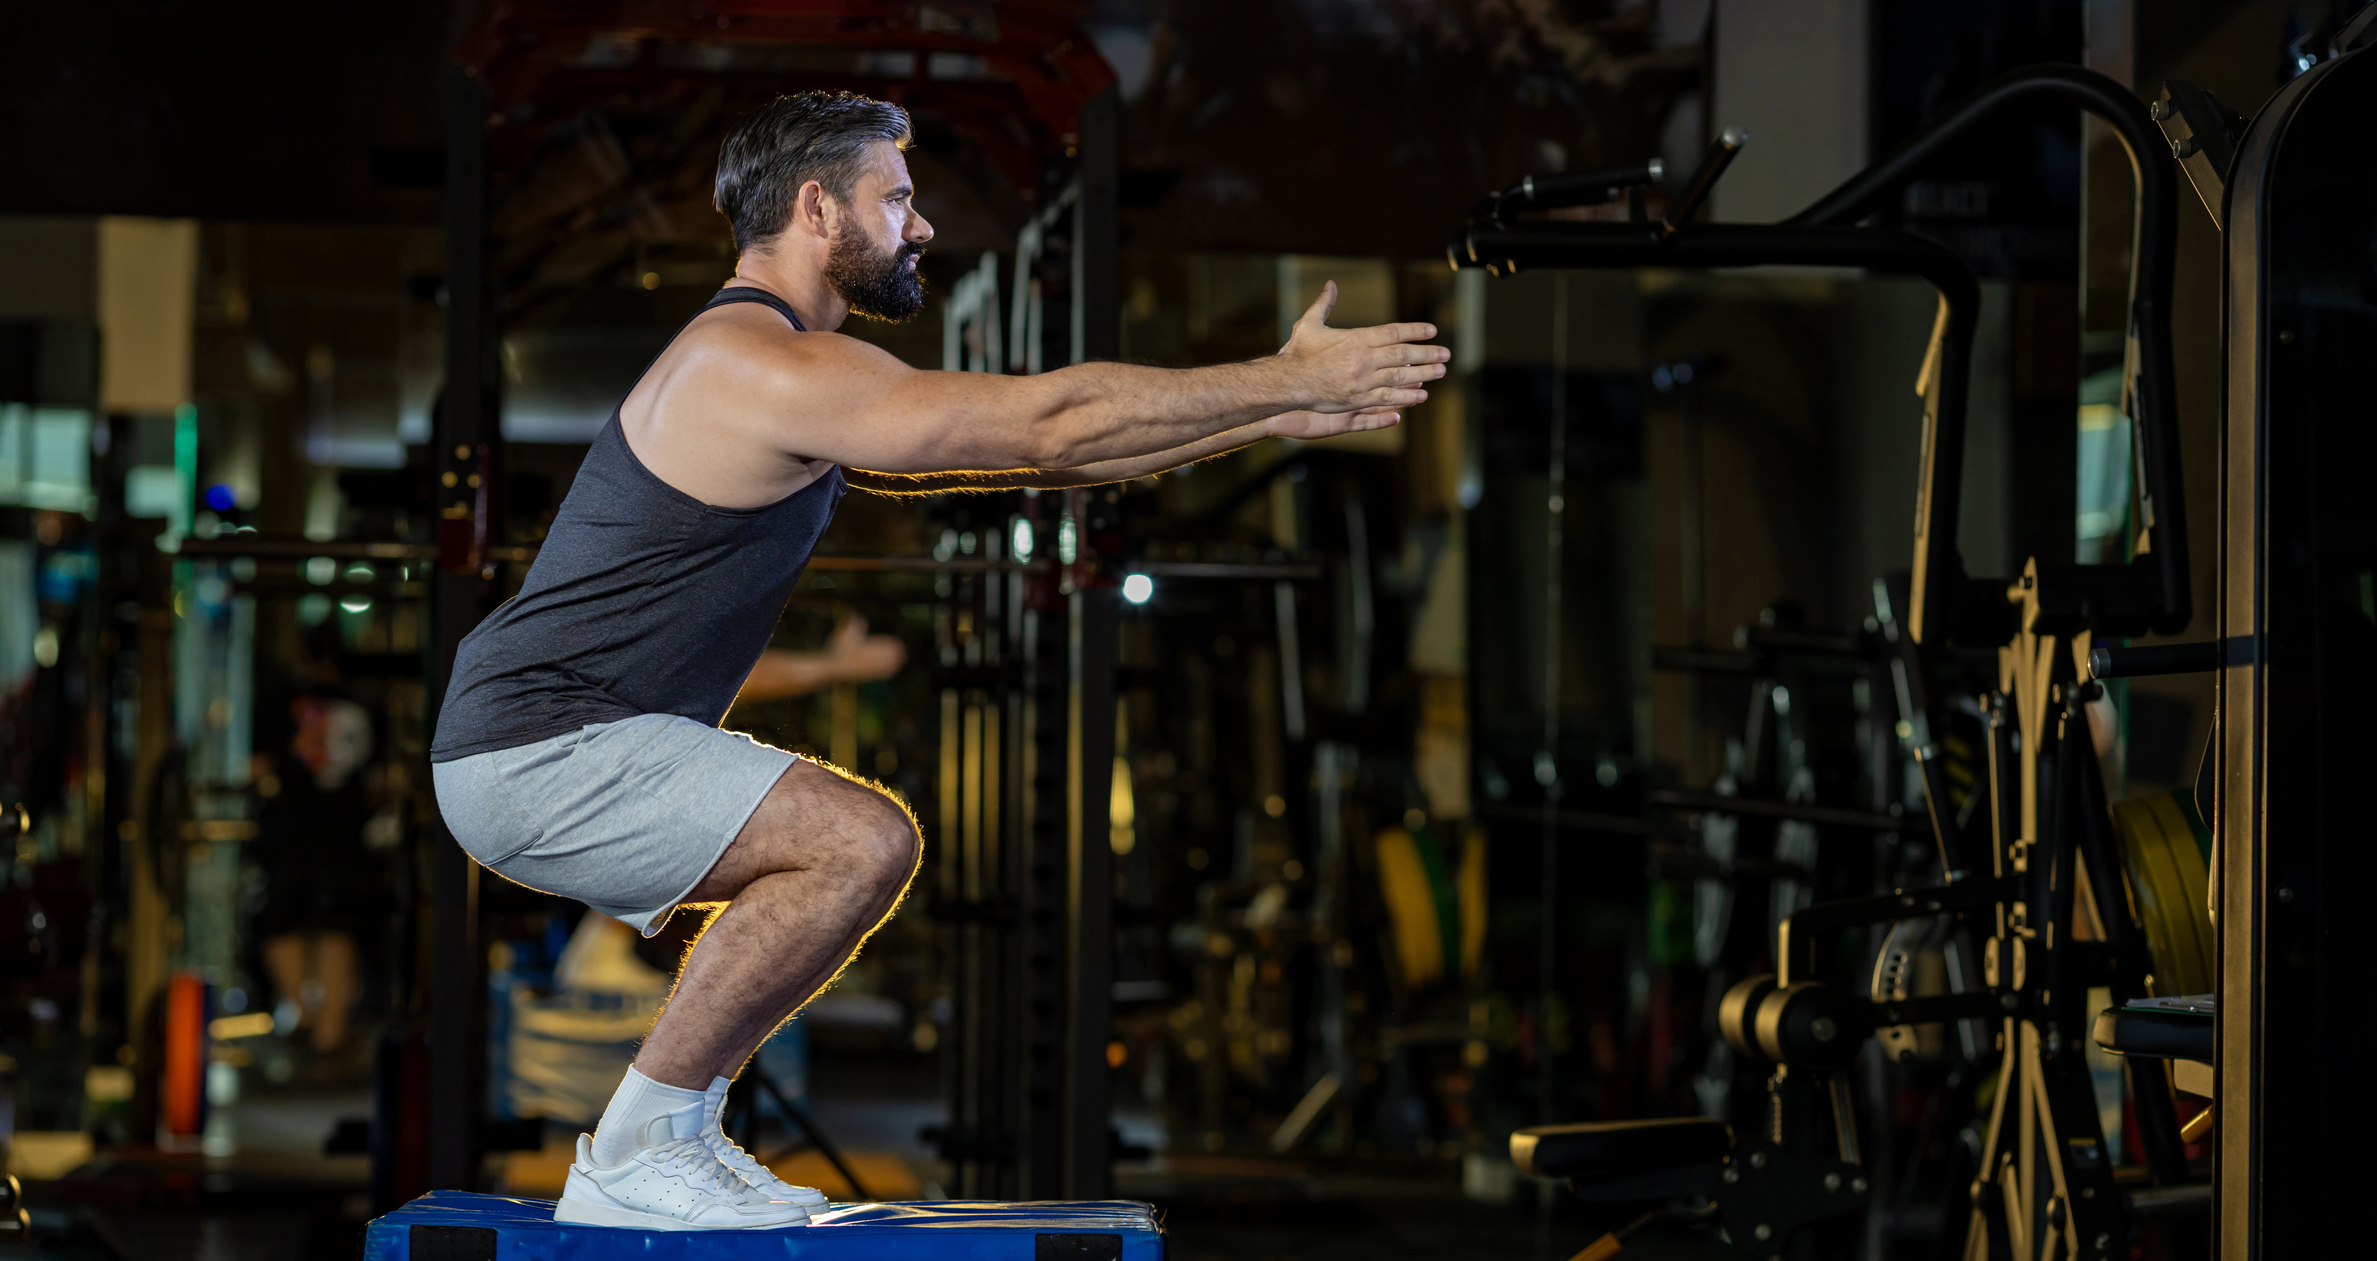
[
  {"x": 2184, "y": 958},
  {"x": 1472, "y": 890},
  {"x": 2187, "y": 858},
  {"x": 2167, "y": 884},
  {"x": 1411, "y": 908}
]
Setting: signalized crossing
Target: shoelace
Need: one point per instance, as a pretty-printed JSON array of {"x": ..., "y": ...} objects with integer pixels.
[
  {"x": 731, "y": 1153},
  {"x": 700, "y": 1166}
]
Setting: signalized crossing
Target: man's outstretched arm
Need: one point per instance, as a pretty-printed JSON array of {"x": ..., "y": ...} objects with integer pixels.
[
  {"x": 834, "y": 398},
  {"x": 1293, "y": 425}
]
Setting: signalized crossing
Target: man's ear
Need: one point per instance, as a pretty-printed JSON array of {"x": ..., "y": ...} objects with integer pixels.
[{"x": 813, "y": 210}]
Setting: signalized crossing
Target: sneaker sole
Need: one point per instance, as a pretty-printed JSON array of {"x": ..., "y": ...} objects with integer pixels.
[{"x": 581, "y": 1213}]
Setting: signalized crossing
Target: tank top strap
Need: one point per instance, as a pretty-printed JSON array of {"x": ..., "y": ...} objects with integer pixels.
[{"x": 748, "y": 293}]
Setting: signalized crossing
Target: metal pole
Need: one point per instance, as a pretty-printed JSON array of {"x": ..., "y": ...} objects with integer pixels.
[
  {"x": 465, "y": 426},
  {"x": 1089, "y": 893},
  {"x": 1097, "y": 306},
  {"x": 1547, "y": 765},
  {"x": 1096, "y": 619}
]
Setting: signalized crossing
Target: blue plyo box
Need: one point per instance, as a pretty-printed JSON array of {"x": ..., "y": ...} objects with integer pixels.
[{"x": 461, "y": 1226}]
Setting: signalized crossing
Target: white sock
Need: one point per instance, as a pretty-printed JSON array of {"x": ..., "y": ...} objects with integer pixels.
[
  {"x": 637, "y": 1103},
  {"x": 716, "y": 1095}
]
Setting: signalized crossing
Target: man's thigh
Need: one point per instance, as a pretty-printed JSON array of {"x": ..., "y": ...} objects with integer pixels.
[
  {"x": 626, "y": 817},
  {"x": 816, "y": 819}
]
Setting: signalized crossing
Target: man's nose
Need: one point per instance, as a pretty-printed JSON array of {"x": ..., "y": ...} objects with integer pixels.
[{"x": 918, "y": 231}]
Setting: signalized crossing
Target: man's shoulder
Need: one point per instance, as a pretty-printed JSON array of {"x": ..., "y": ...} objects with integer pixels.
[{"x": 749, "y": 337}]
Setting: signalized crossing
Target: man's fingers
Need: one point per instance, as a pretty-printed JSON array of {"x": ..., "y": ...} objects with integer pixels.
[
  {"x": 1318, "y": 312},
  {"x": 1389, "y": 334},
  {"x": 1415, "y": 373},
  {"x": 1403, "y": 355}
]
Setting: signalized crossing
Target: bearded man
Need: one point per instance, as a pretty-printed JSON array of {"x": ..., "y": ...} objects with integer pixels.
[{"x": 578, "y": 749}]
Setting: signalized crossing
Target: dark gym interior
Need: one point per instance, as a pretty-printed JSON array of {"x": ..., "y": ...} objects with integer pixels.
[{"x": 1815, "y": 741}]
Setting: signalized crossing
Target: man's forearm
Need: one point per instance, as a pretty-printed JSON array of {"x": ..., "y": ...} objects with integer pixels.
[
  {"x": 1111, "y": 415},
  {"x": 1098, "y": 474},
  {"x": 1209, "y": 447}
]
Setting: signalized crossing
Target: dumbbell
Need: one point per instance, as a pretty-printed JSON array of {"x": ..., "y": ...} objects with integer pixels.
[{"x": 1806, "y": 1024}]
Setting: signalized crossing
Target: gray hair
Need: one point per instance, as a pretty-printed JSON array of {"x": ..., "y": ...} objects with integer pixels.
[{"x": 789, "y": 141}]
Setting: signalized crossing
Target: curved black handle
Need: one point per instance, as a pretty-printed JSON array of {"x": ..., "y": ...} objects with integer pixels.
[
  {"x": 2153, "y": 251},
  {"x": 2112, "y": 600}
]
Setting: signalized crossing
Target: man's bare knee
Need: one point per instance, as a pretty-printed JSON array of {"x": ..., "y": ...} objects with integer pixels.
[{"x": 886, "y": 843}]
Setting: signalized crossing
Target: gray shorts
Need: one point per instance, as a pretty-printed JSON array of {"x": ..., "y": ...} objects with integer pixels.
[{"x": 624, "y": 816}]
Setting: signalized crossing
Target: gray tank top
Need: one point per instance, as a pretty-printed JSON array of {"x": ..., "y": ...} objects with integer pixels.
[{"x": 643, "y": 600}]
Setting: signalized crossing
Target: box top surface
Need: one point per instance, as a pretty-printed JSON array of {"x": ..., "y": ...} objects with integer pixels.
[{"x": 508, "y": 1213}]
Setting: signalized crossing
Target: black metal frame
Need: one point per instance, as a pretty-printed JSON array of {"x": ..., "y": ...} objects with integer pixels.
[
  {"x": 1027, "y": 876},
  {"x": 464, "y": 436},
  {"x": 2044, "y": 1187},
  {"x": 2110, "y": 600},
  {"x": 2293, "y": 742}
]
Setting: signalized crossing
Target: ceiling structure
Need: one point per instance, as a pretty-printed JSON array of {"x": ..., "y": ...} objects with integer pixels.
[{"x": 605, "y": 118}]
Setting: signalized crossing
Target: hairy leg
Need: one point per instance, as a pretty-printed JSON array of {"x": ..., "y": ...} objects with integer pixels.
[
  {"x": 818, "y": 867},
  {"x": 334, "y": 963}
]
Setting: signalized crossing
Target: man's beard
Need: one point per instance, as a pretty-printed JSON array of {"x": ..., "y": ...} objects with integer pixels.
[{"x": 878, "y": 285}]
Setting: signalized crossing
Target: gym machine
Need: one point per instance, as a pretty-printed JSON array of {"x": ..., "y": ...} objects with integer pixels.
[
  {"x": 2295, "y": 194},
  {"x": 2038, "y": 880}
]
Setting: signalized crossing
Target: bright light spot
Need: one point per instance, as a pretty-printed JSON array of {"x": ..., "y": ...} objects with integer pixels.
[
  {"x": 320, "y": 570},
  {"x": 1137, "y": 588},
  {"x": 651, "y": 280},
  {"x": 355, "y": 603},
  {"x": 360, "y": 572},
  {"x": 221, "y": 498},
  {"x": 1022, "y": 539}
]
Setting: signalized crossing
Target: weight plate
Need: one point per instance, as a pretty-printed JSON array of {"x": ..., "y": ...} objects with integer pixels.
[{"x": 2166, "y": 874}]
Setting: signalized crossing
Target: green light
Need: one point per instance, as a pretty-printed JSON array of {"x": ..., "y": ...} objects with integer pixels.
[{"x": 185, "y": 465}]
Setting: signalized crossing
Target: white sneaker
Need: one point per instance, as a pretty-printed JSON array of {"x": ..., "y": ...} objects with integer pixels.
[
  {"x": 669, "y": 1183},
  {"x": 731, "y": 1154}
]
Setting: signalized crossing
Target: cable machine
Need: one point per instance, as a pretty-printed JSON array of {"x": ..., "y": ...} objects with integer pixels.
[{"x": 2041, "y": 860}]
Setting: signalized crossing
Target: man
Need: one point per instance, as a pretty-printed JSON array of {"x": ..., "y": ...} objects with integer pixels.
[{"x": 577, "y": 750}]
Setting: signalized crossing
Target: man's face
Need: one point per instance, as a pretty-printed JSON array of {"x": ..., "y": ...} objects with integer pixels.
[{"x": 878, "y": 239}]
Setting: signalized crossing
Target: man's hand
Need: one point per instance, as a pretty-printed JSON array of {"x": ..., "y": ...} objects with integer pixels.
[
  {"x": 851, "y": 655},
  {"x": 1375, "y": 370},
  {"x": 858, "y": 657}
]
